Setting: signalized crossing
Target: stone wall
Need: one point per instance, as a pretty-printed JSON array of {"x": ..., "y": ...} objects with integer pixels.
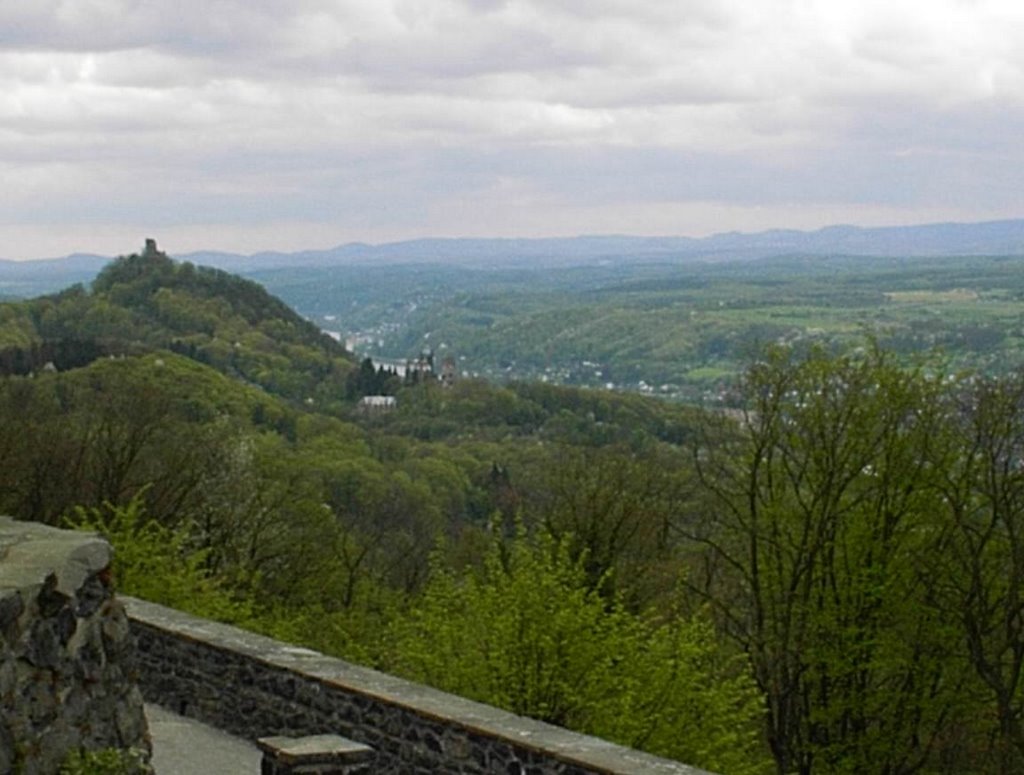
[
  {"x": 255, "y": 687},
  {"x": 66, "y": 651}
]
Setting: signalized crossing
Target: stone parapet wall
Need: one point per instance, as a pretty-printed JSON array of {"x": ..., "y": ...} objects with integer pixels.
[
  {"x": 255, "y": 687},
  {"x": 66, "y": 651}
]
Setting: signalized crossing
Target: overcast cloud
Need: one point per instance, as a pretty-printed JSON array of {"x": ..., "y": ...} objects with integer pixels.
[{"x": 284, "y": 124}]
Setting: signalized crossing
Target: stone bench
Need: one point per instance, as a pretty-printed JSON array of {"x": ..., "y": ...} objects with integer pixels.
[{"x": 314, "y": 755}]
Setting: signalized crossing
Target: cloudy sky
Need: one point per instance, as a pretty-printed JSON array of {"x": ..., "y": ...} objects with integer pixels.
[{"x": 245, "y": 125}]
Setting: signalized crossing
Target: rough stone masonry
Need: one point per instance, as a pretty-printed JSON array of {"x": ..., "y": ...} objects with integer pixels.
[{"x": 67, "y": 662}]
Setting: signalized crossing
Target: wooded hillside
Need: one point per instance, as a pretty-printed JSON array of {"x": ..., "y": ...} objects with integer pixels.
[{"x": 829, "y": 580}]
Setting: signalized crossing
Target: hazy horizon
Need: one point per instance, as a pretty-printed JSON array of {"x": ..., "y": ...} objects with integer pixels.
[
  {"x": 281, "y": 126},
  {"x": 767, "y": 233}
]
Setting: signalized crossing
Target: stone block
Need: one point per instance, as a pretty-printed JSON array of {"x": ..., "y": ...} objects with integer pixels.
[
  {"x": 65, "y": 651},
  {"x": 314, "y": 755}
]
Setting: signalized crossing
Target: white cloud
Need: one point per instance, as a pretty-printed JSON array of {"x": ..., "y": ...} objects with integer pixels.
[{"x": 412, "y": 115}]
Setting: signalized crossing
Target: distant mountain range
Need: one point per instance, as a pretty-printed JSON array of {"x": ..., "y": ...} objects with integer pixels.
[{"x": 1006, "y": 237}]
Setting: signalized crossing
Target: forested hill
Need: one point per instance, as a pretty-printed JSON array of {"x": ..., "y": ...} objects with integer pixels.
[
  {"x": 147, "y": 301},
  {"x": 215, "y": 438},
  {"x": 832, "y": 584}
]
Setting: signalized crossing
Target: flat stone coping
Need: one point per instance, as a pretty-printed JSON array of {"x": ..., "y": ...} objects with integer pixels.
[
  {"x": 30, "y": 551},
  {"x": 584, "y": 751}
]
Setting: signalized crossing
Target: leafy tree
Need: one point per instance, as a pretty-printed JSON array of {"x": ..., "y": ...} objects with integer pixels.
[
  {"x": 525, "y": 631},
  {"x": 368, "y": 380},
  {"x": 977, "y": 568},
  {"x": 614, "y": 508},
  {"x": 159, "y": 563},
  {"x": 819, "y": 510}
]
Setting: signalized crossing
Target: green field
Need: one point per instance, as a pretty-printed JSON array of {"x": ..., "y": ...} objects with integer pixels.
[{"x": 681, "y": 330}]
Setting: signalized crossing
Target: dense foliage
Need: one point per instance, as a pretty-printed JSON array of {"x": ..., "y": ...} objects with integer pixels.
[
  {"x": 144, "y": 302},
  {"x": 830, "y": 579},
  {"x": 676, "y": 328},
  {"x": 545, "y": 643},
  {"x": 108, "y": 761}
]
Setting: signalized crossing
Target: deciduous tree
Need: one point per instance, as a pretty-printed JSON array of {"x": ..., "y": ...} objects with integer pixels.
[{"x": 819, "y": 508}]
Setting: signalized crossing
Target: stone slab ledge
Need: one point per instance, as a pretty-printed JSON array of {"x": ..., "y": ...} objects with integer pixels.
[{"x": 583, "y": 751}]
